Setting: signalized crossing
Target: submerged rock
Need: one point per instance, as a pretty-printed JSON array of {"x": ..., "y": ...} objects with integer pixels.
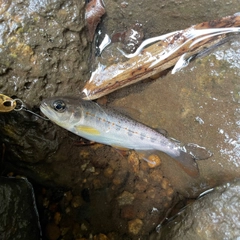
[
  {"x": 216, "y": 215},
  {"x": 19, "y": 216},
  {"x": 200, "y": 105}
]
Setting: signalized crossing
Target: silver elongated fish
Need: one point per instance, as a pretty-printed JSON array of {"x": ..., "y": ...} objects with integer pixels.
[{"x": 105, "y": 125}]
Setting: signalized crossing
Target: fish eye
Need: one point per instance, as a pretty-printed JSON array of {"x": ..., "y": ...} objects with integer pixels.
[{"x": 59, "y": 106}]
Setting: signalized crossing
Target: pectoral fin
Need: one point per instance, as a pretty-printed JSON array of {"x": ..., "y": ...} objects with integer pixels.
[{"x": 87, "y": 130}]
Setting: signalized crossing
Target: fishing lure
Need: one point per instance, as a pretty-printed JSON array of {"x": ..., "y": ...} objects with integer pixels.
[{"x": 8, "y": 104}]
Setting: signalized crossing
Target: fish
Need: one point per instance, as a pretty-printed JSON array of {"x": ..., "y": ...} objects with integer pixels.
[
  {"x": 107, "y": 126},
  {"x": 155, "y": 55}
]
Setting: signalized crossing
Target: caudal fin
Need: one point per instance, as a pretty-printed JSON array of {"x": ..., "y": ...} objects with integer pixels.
[
  {"x": 188, "y": 156},
  {"x": 187, "y": 162}
]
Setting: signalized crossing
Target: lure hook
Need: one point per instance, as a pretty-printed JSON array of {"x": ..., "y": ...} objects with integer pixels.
[
  {"x": 8, "y": 104},
  {"x": 20, "y": 107}
]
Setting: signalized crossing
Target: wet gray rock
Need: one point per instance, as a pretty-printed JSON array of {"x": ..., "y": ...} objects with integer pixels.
[
  {"x": 214, "y": 216},
  {"x": 19, "y": 217},
  {"x": 44, "y": 52},
  {"x": 44, "y": 49}
]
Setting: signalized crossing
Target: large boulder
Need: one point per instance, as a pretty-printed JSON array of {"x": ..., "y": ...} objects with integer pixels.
[
  {"x": 214, "y": 216},
  {"x": 19, "y": 216}
]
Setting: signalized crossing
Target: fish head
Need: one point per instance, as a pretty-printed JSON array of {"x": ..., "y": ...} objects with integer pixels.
[{"x": 64, "y": 111}]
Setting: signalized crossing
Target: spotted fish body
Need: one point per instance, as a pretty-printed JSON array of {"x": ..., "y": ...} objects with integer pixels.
[{"x": 104, "y": 125}]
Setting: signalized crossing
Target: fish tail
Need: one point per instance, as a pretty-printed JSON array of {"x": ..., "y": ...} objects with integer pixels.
[
  {"x": 188, "y": 156},
  {"x": 187, "y": 162}
]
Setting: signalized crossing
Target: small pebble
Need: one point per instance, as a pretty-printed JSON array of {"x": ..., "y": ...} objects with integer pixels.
[
  {"x": 170, "y": 192},
  {"x": 84, "y": 227},
  {"x": 156, "y": 176},
  {"x": 45, "y": 202},
  {"x": 141, "y": 214},
  {"x": 141, "y": 186},
  {"x": 68, "y": 210},
  {"x": 134, "y": 226},
  {"x": 134, "y": 161},
  {"x": 154, "y": 161},
  {"x": 77, "y": 201},
  {"x": 90, "y": 169},
  {"x": 97, "y": 184},
  {"x": 124, "y": 4},
  {"x": 117, "y": 180},
  {"x": 128, "y": 212},
  {"x": 57, "y": 217},
  {"x": 100, "y": 236},
  {"x": 108, "y": 172},
  {"x": 84, "y": 154},
  {"x": 151, "y": 193},
  {"x": 64, "y": 230},
  {"x": 76, "y": 230},
  {"x": 68, "y": 196},
  {"x": 165, "y": 183},
  {"x": 125, "y": 198},
  {"x": 52, "y": 231}
]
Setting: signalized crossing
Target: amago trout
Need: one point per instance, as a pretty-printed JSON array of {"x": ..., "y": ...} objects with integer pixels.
[{"x": 105, "y": 125}]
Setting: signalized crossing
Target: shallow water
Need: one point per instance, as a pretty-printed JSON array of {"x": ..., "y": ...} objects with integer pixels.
[
  {"x": 200, "y": 105},
  {"x": 44, "y": 52}
]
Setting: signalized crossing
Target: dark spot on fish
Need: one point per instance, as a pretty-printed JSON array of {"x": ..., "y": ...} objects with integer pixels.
[
  {"x": 118, "y": 127},
  {"x": 153, "y": 139},
  {"x": 130, "y": 133},
  {"x": 142, "y": 136},
  {"x": 77, "y": 115}
]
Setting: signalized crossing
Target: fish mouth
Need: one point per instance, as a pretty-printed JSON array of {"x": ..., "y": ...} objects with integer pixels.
[{"x": 45, "y": 109}]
